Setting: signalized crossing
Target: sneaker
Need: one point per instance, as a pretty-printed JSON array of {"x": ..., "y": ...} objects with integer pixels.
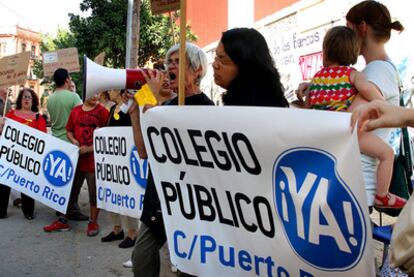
[
  {"x": 127, "y": 243},
  {"x": 93, "y": 229},
  {"x": 127, "y": 264},
  {"x": 174, "y": 269},
  {"x": 57, "y": 226},
  {"x": 77, "y": 216},
  {"x": 112, "y": 236}
]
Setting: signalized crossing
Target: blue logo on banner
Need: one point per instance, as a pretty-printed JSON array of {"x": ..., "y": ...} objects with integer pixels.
[
  {"x": 320, "y": 216},
  {"x": 139, "y": 168},
  {"x": 57, "y": 168}
]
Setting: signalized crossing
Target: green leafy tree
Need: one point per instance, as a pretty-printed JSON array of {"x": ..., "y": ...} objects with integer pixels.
[{"x": 105, "y": 30}]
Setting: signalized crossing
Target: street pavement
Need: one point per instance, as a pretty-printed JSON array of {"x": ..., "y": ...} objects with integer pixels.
[{"x": 26, "y": 250}]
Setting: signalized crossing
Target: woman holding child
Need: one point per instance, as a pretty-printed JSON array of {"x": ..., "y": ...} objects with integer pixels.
[{"x": 371, "y": 21}]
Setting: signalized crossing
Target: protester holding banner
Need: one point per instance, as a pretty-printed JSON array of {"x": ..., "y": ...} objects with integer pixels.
[
  {"x": 244, "y": 67},
  {"x": 82, "y": 122},
  {"x": 27, "y": 112},
  {"x": 151, "y": 235},
  {"x": 119, "y": 118},
  {"x": 59, "y": 106}
]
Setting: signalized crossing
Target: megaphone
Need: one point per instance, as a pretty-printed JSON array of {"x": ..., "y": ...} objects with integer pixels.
[{"x": 97, "y": 78}]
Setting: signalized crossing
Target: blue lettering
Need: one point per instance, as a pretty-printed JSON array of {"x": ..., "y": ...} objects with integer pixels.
[
  {"x": 304, "y": 273},
  {"x": 281, "y": 270},
  {"x": 11, "y": 173},
  {"x": 204, "y": 248},
  {"x": 245, "y": 260},
  {"x": 230, "y": 261},
  {"x": 176, "y": 235},
  {"x": 141, "y": 202},
  {"x": 100, "y": 193}
]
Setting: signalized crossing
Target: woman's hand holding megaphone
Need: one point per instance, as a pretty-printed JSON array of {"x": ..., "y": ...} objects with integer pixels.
[{"x": 154, "y": 79}]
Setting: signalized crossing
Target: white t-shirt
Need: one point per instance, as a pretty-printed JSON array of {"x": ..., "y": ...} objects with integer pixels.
[{"x": 384, "y": 75}]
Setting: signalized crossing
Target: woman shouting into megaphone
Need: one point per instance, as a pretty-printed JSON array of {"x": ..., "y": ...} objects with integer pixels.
[{"x": 151, "y": 235}]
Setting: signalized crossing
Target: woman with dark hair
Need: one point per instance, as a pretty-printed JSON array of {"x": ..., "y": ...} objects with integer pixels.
[
  {"x": 244, "y": 67},
  {"x": 26, "y": 112}
]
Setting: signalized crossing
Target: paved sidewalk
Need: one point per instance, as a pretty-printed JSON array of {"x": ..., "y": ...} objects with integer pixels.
[{"x": 26, "y": 250}]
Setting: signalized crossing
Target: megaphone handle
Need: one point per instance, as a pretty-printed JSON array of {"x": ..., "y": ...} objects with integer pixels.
[{"x": 125, "y": 107}]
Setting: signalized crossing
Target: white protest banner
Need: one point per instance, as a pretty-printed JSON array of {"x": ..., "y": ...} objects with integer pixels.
[
  {"x": 251, "y": 191},
  {"x": 121, "y": 176},
  {"x": 37, "y": 164}
]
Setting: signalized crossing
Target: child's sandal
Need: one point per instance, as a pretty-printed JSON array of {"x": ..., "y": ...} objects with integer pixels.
[{"x": 383, "y": 201}]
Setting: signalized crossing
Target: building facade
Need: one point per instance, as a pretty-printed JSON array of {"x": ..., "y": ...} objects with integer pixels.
[{"x": 14, "y": 40}]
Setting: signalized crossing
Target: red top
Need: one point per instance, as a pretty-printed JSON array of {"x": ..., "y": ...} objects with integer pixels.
[
  {"x": 82, "y": 124},
  {"x": 38, "y": 123}
]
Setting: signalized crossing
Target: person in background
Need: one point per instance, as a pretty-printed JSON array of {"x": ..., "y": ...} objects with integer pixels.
[
  {"x": 59, "y": 105},
  {"x": 4, "y": 103},
  {"x": 119, "y": 118},
  {"x": 244, "y": 67},
  {"x": 105, "y": 100},
  {"x": 72, "y": 86},
  {"x": 26, "y": 112},
  {"x": 82, "y": 122},
  {"x": 151, "y": 234},
  {"x": 164, "y": 94},
  {"x": 339, "y": 87},
  {"x": 372, "y": 23}
]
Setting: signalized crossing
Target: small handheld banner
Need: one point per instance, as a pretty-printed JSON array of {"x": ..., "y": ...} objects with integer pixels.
[
  {"x": 100, "y": 58},
  {"x": 37, "y": 164},
  {"x": 63, "y": 58},
  {"x": 251, "y": 191},
  {"x": 13, "y": 69},
  {"x": 121, "y": 176}
]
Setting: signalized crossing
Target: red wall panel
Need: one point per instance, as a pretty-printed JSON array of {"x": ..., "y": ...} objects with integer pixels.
[
  {"x": 208, "y": 19},
  {"x": 263, "y": 8}
]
